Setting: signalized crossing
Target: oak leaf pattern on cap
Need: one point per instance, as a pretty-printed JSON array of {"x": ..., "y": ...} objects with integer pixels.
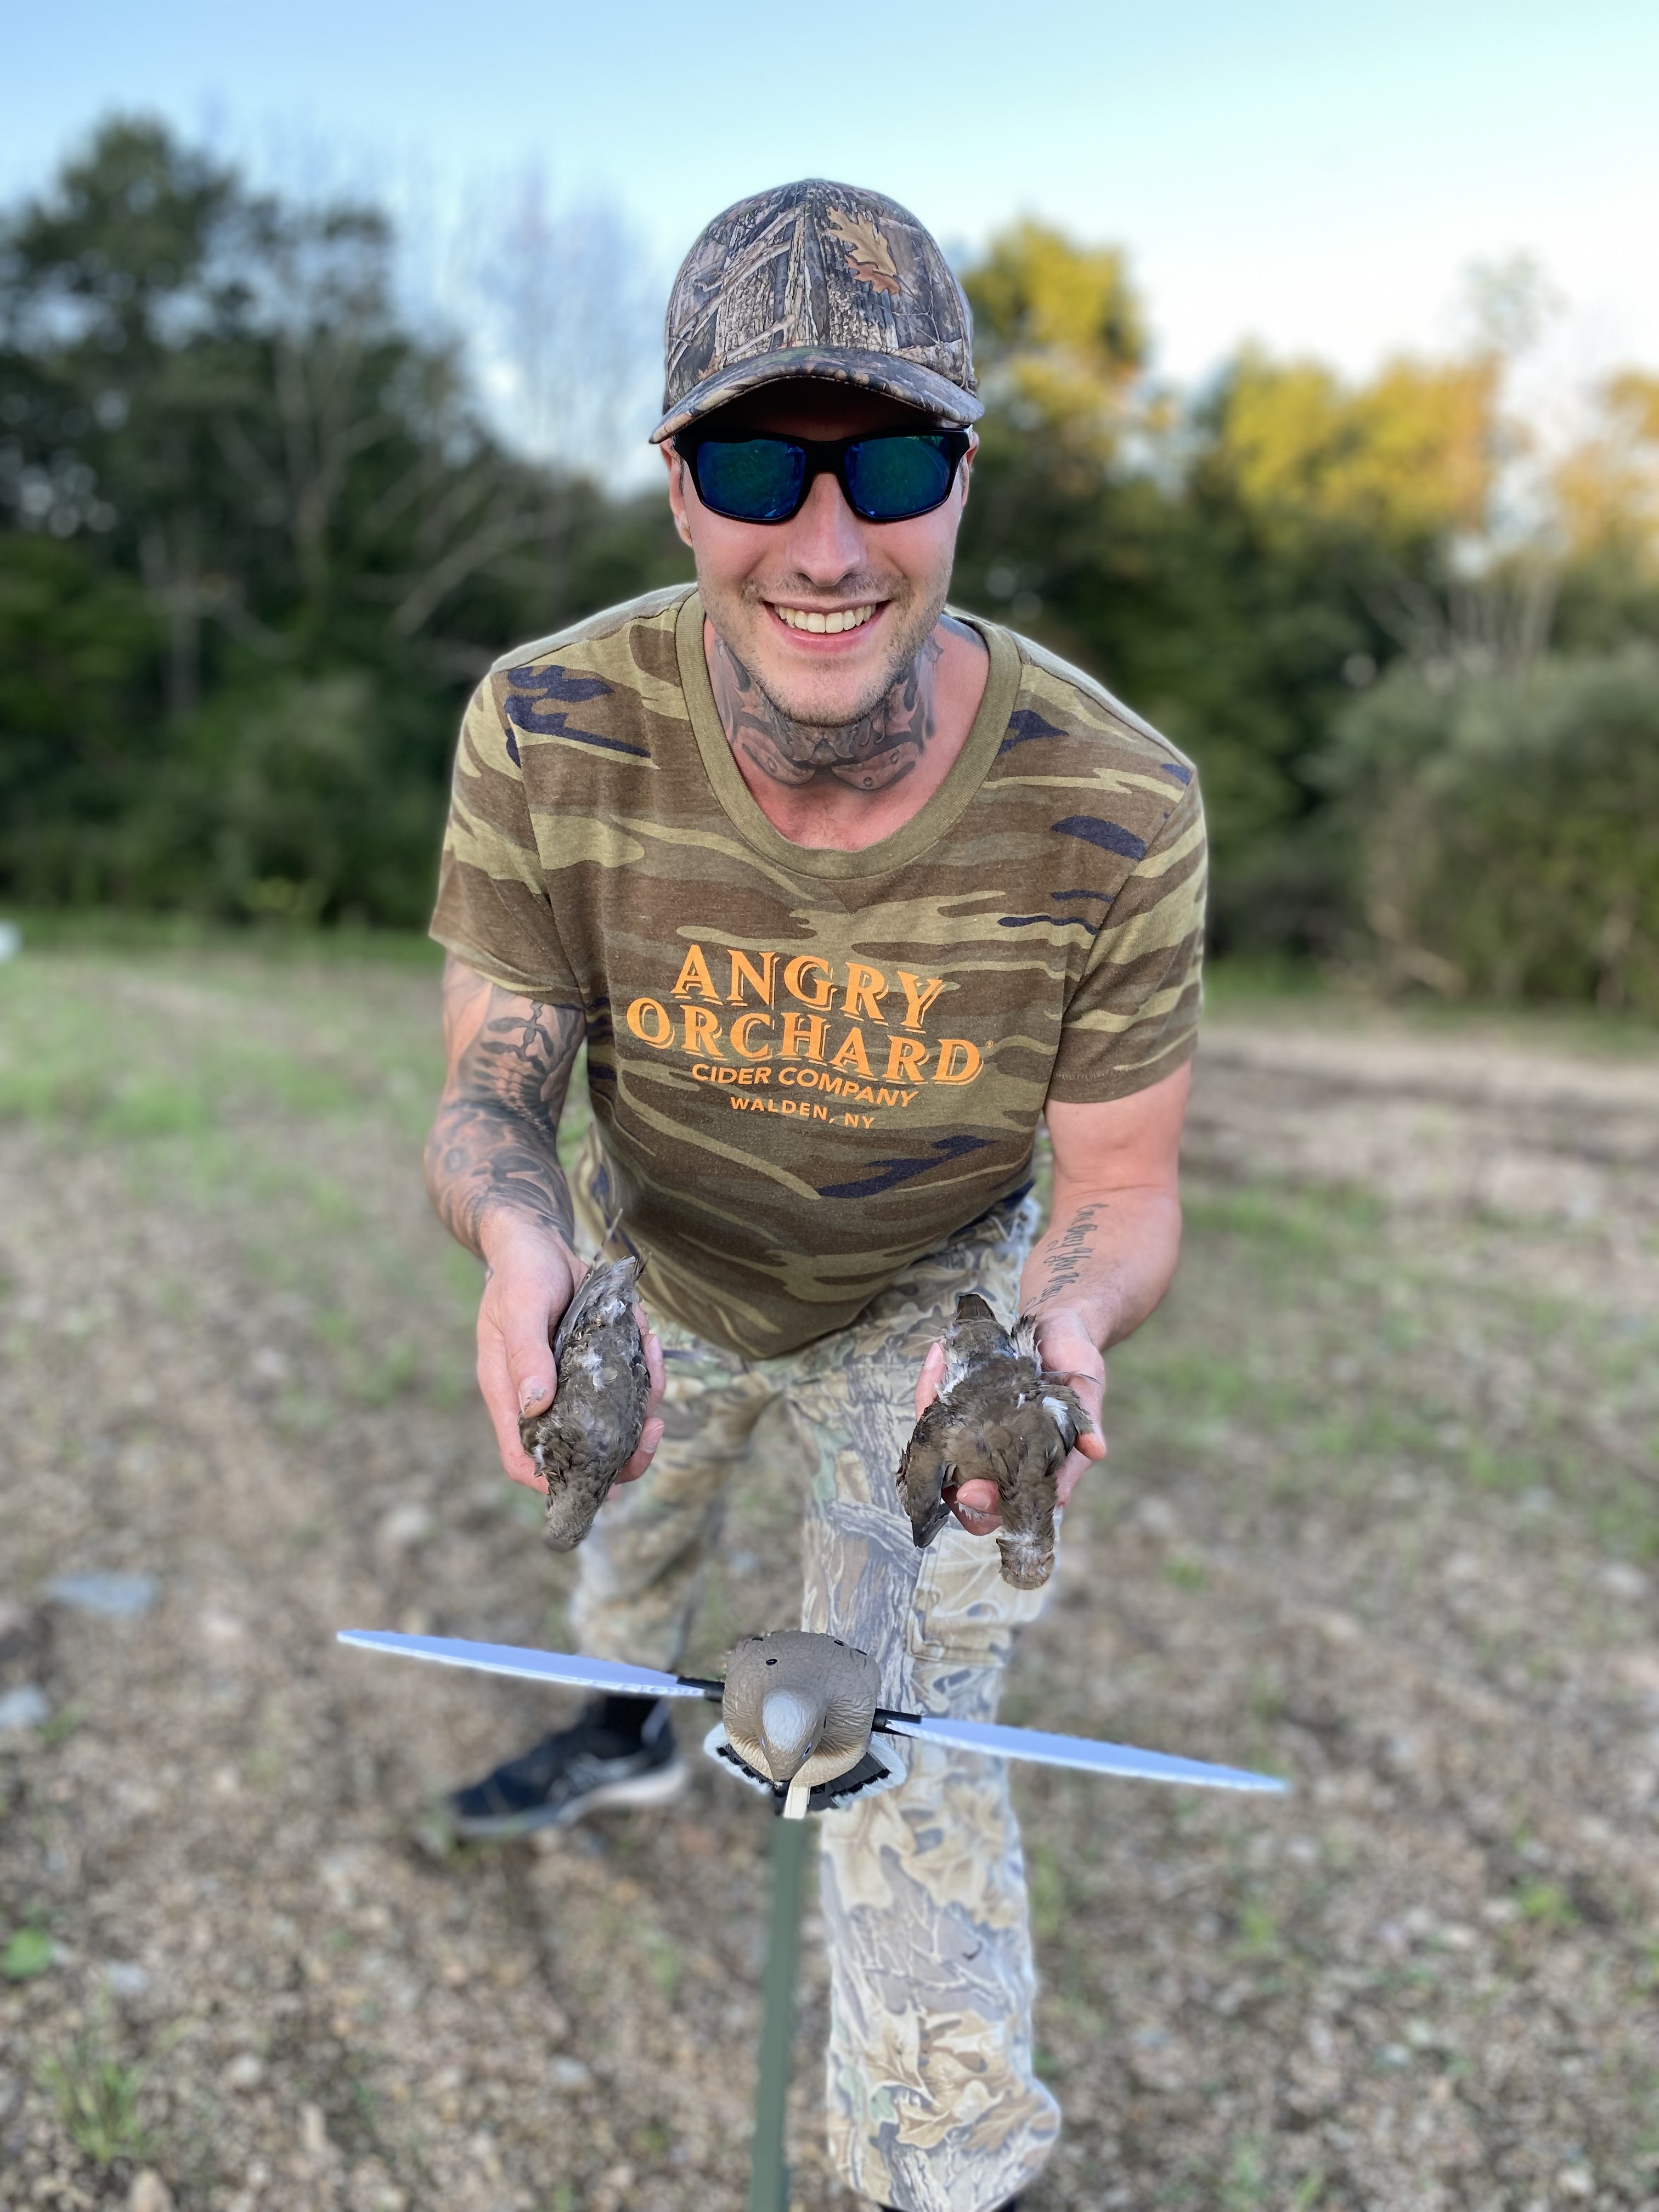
[{"x": 867, "y": 256}]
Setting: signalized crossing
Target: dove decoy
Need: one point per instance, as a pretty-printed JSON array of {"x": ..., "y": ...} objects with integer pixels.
[
  {"x": 1000, "y": 1417},
  {"x": 592, "y": 1427},
  {"x": 798, "y": 1708}
]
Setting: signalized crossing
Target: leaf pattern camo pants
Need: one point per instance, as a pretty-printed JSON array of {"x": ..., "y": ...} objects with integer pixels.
[{"x": 932, "y": 2103}]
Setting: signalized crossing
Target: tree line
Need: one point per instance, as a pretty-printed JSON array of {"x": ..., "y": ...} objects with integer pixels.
[{"x": 259, "y": 539}]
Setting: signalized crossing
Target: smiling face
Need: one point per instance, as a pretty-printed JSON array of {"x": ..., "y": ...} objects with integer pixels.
[{"x": 825, "y": 611}]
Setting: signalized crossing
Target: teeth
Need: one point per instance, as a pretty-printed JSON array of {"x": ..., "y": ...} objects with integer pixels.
[{"x": 831, "y": 625}]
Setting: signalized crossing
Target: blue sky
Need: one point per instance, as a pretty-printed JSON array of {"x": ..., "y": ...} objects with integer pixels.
[{"x": 1316, "y": 176}]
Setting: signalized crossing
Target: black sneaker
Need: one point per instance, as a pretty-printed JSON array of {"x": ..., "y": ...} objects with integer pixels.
[{"x": 581, "y": 1770}]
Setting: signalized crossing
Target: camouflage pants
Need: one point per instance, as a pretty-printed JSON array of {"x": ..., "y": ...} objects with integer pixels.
[{"x": 932, "y": 2103}]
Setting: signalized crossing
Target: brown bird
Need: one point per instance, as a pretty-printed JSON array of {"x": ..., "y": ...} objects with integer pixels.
[
  {"x": 592, "y": 1427},
  {"x": 1000, "y": 1417},
  {"x": 798, "y": 1708}
]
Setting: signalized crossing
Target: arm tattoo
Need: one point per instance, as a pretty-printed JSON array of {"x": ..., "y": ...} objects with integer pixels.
[
  {"x": 1068, "y": 1259},
  {"x": 879, "y": 749},
  {"x": 494, "y": 1146}
]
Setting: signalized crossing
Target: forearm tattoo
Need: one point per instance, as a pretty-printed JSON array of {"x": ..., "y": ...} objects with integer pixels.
[
  {"x": 494, "y": 1146},
  {"x": 1061, "y": 1265},
  {"x": 868, "y": 755}
]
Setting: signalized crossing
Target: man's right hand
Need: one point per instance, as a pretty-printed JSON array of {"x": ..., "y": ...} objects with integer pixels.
[{"x": 530, "y": 1278}]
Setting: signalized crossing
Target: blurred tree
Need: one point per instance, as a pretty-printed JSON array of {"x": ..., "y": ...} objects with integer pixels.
[
  {"x": 1110, "y": 524},
  {"x": 210, "y": 406},
  {"x": 1060, "y": 338},
  {"x": 1405, "y": 461},
  {"x": 1608, "y": 484},
  {"x": 1507, "y": 827}
]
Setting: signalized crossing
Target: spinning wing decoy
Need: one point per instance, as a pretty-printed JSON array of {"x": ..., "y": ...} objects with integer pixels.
[{"x": 799, "y": 1710}]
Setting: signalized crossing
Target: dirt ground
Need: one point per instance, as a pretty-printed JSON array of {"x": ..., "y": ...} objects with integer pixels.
[{"x": 1382, "y": 1514}]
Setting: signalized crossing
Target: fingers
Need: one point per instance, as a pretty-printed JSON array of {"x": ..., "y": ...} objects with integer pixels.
[
  {"x": 650, "y": 1436},
  {"x": 654, "y": 1363},
  {"x": 526, "y": 1335},
  {"x": 976, "y": 1505},
  {"x": 500, "y": 1400},
  {"x": 931, "y": 1379}
]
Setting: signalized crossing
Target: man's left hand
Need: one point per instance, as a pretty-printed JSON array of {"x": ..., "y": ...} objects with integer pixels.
[{"x": 1064, "y": 1348}]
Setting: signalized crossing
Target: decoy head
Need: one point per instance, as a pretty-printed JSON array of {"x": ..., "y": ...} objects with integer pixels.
[{"x": 790, "y": 1724}]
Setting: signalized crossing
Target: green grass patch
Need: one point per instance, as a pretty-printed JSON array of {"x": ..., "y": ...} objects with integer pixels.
[
  {"x": 97, "y": 2101},
  {"x": 30, "y": 1953}
]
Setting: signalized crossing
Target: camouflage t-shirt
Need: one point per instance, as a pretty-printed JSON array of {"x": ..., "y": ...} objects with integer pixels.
[{"x": 809, "y": 1067}]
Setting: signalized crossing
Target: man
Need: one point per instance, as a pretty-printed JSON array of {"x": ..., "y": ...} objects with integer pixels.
[{"x": 843, "y": 892}]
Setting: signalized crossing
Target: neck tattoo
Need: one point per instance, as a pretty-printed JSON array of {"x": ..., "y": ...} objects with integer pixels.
[{"x": 868, "y": 755}]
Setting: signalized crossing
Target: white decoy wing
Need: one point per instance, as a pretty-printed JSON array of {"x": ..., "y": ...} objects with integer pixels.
[
  {"x": 1080, "y": 1752},
  {"x": 559, "y": 1667}
]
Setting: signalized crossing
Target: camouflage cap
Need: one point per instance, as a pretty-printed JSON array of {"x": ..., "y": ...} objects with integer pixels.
[{"x": 816, "y": 280}]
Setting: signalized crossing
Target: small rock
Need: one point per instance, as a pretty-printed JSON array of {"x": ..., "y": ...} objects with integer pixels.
[
  {"x": 269, "y": 1364},
  {"x": 314, "y": 2141},
  {"x": 245, "y": 2072},
  {"x": 1335, "y": 1628},
  {"x": 113, "y": 1596},
  {"x": 405, "y": 1526},
  {"x": 148, "y": 2192},
  {"x": 569, "y": 2074},
  {"x": 15, "y": 1629},
  {"x": 123, "y": 1979},
  {"x": 1576, "y": 2181},
  {"x": 1158, "y": 1517},
  {"x": 1621, "y": 1580},
  {"x": 25, "y": 1707}
]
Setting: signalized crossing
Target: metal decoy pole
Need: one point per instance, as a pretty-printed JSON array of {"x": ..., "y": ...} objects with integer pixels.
[{"x": 768, "y": 2187}]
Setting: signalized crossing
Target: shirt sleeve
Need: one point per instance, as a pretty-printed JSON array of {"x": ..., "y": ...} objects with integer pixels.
[
  {"x": 1132, "y": 1018},
  {"x": 493, "y": 910}
]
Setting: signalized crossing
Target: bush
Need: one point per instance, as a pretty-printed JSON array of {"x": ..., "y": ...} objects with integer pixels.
[
  {"x": 307, "y": 799},
  {"x": 1505, "y": 828}
]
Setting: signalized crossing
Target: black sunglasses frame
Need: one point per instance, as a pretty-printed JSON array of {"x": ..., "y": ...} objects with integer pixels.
[{"x": 825, "y": 457}]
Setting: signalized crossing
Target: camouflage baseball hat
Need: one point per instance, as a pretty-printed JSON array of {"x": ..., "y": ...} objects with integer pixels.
[{"x": 816, "y": 280}]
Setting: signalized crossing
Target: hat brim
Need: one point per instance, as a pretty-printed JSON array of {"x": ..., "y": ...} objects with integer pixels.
[{"x": 890, "y": 374}]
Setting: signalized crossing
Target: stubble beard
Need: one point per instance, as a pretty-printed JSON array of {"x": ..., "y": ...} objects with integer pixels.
[{"x": 810, "y": 736}]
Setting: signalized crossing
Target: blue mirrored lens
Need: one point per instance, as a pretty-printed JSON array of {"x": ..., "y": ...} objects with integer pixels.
[
  {"x": 888, "y": 478},
  {"x": 752, "y": 479}
]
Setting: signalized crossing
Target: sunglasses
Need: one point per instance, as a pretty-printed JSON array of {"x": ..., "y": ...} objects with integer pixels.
[{"x": 884, "y": 479}]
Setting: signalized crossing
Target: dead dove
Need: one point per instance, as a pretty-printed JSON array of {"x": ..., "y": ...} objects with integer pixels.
[
  {"x": 1000, "y": 1417},
  {"x": 592, "y": 1427},
  {"x": 798, "y": 1708}
]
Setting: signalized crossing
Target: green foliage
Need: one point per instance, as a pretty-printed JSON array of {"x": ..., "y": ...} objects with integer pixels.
[
  {"x": 97, "y": 2101},
  {"x": 1507, "y": 828},
  {"x": 256, "y": 546},
  {"x": 257, "y": 543},
  {"x": 1059, "y": 334},
  {"x": 30, "y": 1953}
]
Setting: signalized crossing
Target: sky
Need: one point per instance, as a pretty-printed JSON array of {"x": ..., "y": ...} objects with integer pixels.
[{"x": 1318, "y": 177}]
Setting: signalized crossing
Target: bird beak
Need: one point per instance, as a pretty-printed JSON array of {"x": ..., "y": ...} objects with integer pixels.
[{"x": 788, "y": 1721}]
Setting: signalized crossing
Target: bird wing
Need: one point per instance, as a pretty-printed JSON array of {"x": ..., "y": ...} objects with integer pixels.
[
  {"x": 561, "y": 1667},
  {"x": 1077, "y": 1751},
  {"x": 600, "y": 1281}
]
